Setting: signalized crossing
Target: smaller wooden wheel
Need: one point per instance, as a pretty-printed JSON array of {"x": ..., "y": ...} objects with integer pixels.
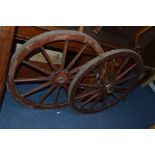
[
  {"x": 105, "y": 80},
  {"x": 46, "y": 83}
]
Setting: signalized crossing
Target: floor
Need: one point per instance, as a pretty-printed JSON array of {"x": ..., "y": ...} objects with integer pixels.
[{"x": 137, "y": 112}]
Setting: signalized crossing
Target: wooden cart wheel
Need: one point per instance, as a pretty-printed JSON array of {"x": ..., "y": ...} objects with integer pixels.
[
  {"x": 48, "y": 87},
  {"x": 112, "y": 76}
]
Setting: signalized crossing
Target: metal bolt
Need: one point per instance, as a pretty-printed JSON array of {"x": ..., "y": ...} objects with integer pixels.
[
  {"x": 97, "y": 75},
  {"x": 61, "y": 80}
]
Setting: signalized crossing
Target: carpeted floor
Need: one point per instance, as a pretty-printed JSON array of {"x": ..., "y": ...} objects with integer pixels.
[{"x": 137, "y": 112}]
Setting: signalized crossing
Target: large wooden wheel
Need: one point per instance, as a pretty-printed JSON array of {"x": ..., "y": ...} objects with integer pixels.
[
  {"x": 112, "y": 76},
  {"x": 48, "y": 87}
]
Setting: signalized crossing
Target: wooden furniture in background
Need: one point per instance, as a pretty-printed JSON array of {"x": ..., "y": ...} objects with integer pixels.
[
  {"x": 6, "y": 39},
  {"x": 152, "y": 126}
]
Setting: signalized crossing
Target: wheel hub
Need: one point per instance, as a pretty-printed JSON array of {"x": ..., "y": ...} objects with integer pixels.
[
  {"x": 109, "y": 87},
  {"x": 60, "y": 78}
]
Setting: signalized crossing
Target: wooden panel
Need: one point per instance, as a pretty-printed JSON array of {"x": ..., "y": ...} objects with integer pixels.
[
  {"x": 104, "y": 37},
  {"x": 6, "y": 38},
  {"x": 24, "y": 33},
  {"x": 148, "y": 54},
  {"x": 107, "y": 37}
]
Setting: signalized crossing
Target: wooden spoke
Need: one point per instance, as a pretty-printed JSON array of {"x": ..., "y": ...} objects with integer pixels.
[
  {"x": 66, "y": 90},
  {"x": 75, "y": 70},
  {"x": 92, "y": 74},
  {"x": 89, "y": 76},
  {"x": 48, "y": 59},
  {"x": 85, "y": 94},
  {"x": 44, "y": 71},
  {"x": 121, "y": 89},
  {"x": 57, "y": 94},
  {"x": 106, "y": 103},
  {"x": 125, "y": 79},
  {"x": 101, "y": 70},
  {"x": 90, "y": 85},
  {"x": 98, "y": 76},
  {"x": 110, "y": 70},
  {"x": 122, "y": 66},
  {"x": 88, "y": 100},
  {"x": 49, "y": 91},
  {"x": 125, "y": 72},
  {"x": 101, "y": 80},
  {"x": 96, "y": 101},
  {"x": 64, "y": 55},
  {"x": 113, "y": 95},
  {"x": 75, "y": 58},
  {"x": 38, "y": 88},
  {"x": 33, "y": 79},
  {"x": 93, "y": 105},
  {"x": 71, "y": 77}
]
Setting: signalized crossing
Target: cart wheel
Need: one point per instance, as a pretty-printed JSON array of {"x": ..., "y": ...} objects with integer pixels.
[
  {"x": 112, "y": 76},
  {"x": 48, "y": 87}
]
